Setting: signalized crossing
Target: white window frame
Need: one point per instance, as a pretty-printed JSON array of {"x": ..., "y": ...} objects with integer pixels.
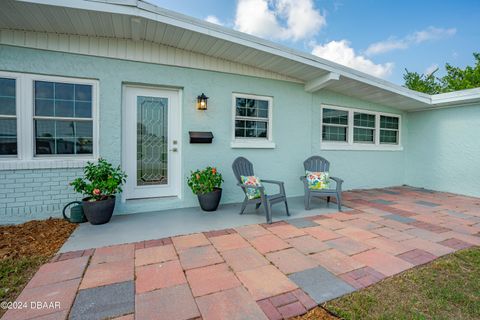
[
  {"x": 26, "y": 158},
  {"x": 350, "y": 144},
  {"x": 257, "y": 143}
]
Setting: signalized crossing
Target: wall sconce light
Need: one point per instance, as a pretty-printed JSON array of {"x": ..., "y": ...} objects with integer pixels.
[{"x": 202, "y": 102}]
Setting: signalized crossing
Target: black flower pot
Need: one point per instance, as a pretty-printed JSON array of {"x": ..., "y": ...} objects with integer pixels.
[
  {"x": 209, "y": 201},
  {"x": 98, "y": 212}
]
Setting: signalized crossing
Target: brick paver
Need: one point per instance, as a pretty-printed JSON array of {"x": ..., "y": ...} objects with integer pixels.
[
  {"x": 363, "y": 277},
  {"x": 417, "y": 256},
  {"x": 58, "y": 272},
  {"x": 455, "y": 244},
  {"x": 189, "y": 241},
  {"x": 261, "y": 271},
  {"x": 308, "y": 244},
  {"x": 107, "y": 273},
  {"x": 229, "y": 242},
  {"x": 348, "y": 245},
  {"x": 320, "y": 284},
  {"x": 113, "y": 253},
  {"x": 252, "y": 231},
  {"x": 235, "y": 304},
  {"x": 390, "y": 246},
  {"x": 104, "y": 302},
  {"x": 199, "y": 257},
  {"x": 336, "y": 261},
  {"x": 155, "y": 254},
  {"x": 211, "y": 279},
  {"x": 159, "y": 276},
  {"x": 62, "y": 293},
  {"x": 321, "y": 233},
  {"x": 291, "y": 260},
  {"x": 265, "y": 282},
  {"x": 382, "y": 262},
  {"x": 434, "y": 248},
  {"x": 287, "y": 231},
  {"x": 173, "y": 303},
  {"x": 244, "y": 259},
  {"x": 269, "y": 243}
]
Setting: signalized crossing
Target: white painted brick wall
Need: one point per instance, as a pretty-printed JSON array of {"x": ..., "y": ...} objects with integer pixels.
[{"x": 35, "y": 194}]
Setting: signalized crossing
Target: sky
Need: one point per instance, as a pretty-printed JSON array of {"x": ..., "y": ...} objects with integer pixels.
[{"x": 382, "y": 38}]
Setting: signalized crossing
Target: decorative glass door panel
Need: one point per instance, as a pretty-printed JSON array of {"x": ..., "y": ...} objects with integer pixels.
[
  {"x": 152, "y": 140},
  {"x": 151, "y": 147}
]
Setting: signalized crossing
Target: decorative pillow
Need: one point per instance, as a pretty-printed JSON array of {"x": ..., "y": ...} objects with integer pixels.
[
  {"x": 251, "y": 181},
  {"x": 317, "y": 180}
]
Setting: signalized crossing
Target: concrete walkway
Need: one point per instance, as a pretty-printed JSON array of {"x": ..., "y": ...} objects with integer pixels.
[
  {"x": 161, "y": 224},
  {"x": 257, "y": 271}
]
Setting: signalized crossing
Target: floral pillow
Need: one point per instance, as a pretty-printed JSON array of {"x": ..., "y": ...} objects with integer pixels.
[
  {"x": 317, "y": 180},
  {"x": 251, "y": 181}
]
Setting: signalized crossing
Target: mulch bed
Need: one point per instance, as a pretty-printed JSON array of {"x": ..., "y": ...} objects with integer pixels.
[
  {"x": 24, "y": 248},
  {"x": 34, "y": 238},
  {"x": 317, "y": 313}
]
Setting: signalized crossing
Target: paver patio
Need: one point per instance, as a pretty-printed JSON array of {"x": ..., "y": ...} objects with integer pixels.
[{"x": 258, "y": 271}]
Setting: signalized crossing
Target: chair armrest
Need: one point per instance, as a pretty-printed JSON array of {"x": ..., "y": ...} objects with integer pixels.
[
  {"x": 338, "y": 181},
  {"x": 280, "y": 185},
  {"x": 305, "y": 183},
  {"x": 272, "y": 181}
]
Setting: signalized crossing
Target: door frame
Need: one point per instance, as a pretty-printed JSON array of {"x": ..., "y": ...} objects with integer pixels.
[{"x": 178, "y": 168}]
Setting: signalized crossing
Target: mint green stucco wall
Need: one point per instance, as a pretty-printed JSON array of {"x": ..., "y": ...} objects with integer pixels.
[
  {"x": 444, "y": 150},
  {"x": 296, "y": 123}
]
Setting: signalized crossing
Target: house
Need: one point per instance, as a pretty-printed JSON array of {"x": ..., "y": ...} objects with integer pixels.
[{"x": 119, "y": 79}]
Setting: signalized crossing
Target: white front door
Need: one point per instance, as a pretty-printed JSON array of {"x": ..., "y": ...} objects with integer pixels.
[{"x": 151, "y": 148}]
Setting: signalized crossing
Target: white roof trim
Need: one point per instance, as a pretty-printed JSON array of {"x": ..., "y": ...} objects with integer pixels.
[
  {"x": 321, "y": 82},
  {"x": 462, "y": 96}
]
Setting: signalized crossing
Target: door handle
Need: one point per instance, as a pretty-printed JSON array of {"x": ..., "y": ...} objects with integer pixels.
[{"x": 173, "y": 150}]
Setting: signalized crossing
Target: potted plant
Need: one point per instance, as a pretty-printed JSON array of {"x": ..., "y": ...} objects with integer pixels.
[
  {"x": 206, "y": 185},
  {"x": 100, "y": 184}
]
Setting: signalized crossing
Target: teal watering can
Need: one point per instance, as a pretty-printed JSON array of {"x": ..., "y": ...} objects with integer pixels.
[{"x": 76, "y": 212}]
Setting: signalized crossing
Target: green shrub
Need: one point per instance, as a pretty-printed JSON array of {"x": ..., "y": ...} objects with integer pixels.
[
  {"x": 204, "y": 181},
  {"x": 101, "y": 180}
]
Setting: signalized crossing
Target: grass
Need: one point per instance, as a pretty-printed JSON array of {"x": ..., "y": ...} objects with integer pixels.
[
  {"x": 447, "y": 288},
  {"x": 15, "y": 273}
]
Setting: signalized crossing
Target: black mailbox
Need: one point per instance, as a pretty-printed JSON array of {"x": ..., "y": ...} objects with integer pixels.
[{"x": 200, "y": 136}]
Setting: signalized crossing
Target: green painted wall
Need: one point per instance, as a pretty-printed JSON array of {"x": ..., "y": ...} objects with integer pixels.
[
  {"x": 296, "y": 122},
  {"x": 444, "y": 150}
]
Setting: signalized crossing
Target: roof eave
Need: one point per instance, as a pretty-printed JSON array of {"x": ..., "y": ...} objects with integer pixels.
[{"x": 146, "y": 10}]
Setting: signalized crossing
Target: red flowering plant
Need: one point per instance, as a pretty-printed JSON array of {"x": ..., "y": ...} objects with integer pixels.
[
  {"x": 101, "y": 181},
  {"x": 204, "y": 181}
]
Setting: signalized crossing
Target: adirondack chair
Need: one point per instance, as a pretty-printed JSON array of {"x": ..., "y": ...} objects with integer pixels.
[
  {"x": 243, "y": 167},
  {"x": 319, "y": 164}
]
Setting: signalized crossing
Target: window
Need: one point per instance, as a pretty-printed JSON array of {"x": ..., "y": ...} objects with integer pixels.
[
  {"x": 389, "y": 130},
  {"x": 252, "y": 121},
  {"x": 8, "y": 118},
  {"x": 63, "y": 118},
  {"x": 44, "y": 119},
  {"x": 363, "y": 127},
  {"x": 335, "y": 125},
  {"x": 353, "y": 129}
]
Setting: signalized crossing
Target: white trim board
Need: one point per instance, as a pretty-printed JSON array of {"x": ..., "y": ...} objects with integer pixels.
[{"x": 124, "y": 49}]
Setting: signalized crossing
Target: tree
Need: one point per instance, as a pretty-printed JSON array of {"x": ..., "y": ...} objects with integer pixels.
[
  {"x": 422, "y": 83},
  {"x": 455, "y": 79}
]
